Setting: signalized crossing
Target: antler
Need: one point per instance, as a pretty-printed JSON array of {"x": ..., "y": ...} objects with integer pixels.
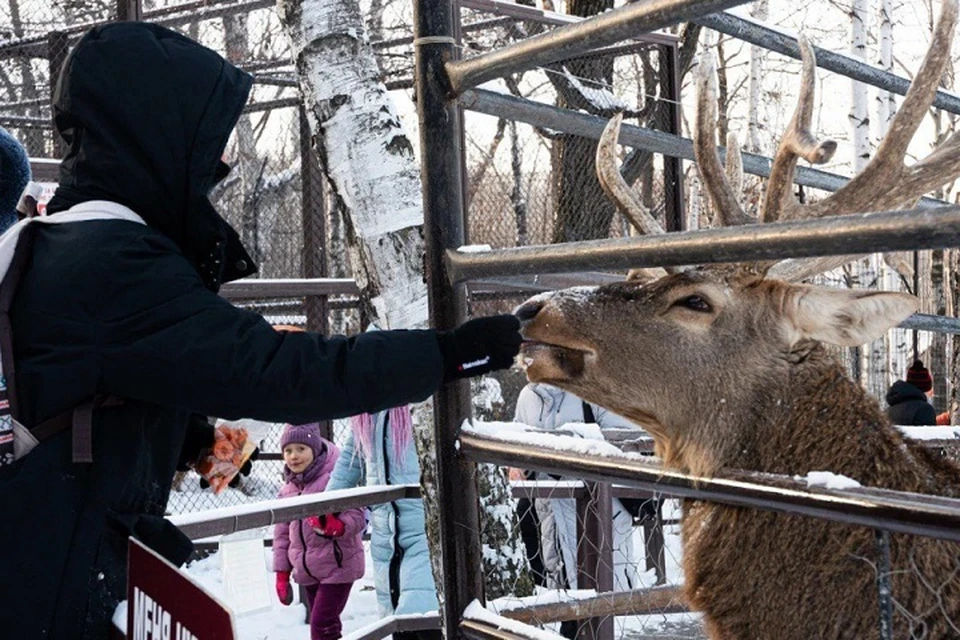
[
  {"x": 608, "y": 174},
  {"x": 797, "y": 142},
  {"x": 722, "y": 195},
  {"x": 886, "y": 183}
]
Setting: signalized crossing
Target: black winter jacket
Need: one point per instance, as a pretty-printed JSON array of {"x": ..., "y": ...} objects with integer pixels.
[
  {"x": 115, "y": 307},
  {"x": 909, "y": 406}
]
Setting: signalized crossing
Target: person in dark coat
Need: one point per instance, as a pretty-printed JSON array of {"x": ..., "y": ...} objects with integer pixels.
[
  {"x": 908, "y": 399},
  {"x": 14, "y": 177},
  {"x": 126, "y": 306}
]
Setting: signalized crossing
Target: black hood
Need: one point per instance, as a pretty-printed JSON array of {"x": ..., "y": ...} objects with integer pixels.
[
  {"x": 902, "y": 391},
  {"x": 146, "y": 113}
]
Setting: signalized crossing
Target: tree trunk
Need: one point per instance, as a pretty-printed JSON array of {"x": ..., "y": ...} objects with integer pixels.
[
  {"x": 246, "y": 161},
  {"x": 373, "y": 172},
  {"x": 583, "y": 212},
  {"x": 757, "y": 57}
]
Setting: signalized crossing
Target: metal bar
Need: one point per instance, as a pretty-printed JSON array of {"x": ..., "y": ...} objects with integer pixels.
[
  {"x": 590, "y": 126},
  {"x": 268, "y": 105},
  {"x": 672, "y": 166},
  {"x": 895, "y": 511},
  {"x": 45, "y": 169},
  {"x": 58, "y": 44},
  {"x": 441, "y": 157},
  {"x": 482, "y": 630},
  {"x": 129, "y": 10},
  {"x": 26, "y": 122},
  {"x": 884, "y": 586},
  {"x": 395, "y": 624},
  {"x": 638, "y": 602},
  {"x": 466, "y": 28},
  {"x": 541, "y": 16},
  {"x": 928, "y": 322},
  {"x": 838, "y": 235},
  {"x": 232, "y": 519},
  {"x": 380, "y": 629},
  {"x": 576, "y": 39},
  {"x": 417, "y": 622},
  {"x": 292, "y": 288},
  {"x": 758, "y": 33}
]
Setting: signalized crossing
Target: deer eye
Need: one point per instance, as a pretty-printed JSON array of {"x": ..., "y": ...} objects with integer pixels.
[{"x": 694, "y": 303}]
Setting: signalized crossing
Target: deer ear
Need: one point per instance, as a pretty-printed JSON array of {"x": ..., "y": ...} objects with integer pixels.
[{"x": 845, "y": 317}]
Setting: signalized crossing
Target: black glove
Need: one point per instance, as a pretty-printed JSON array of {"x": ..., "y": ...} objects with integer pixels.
[
  {"x": 479, "y": 346},
  {"x": 199, "y": 436}
]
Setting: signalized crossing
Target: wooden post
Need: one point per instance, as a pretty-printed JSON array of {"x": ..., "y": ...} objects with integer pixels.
[
  {"x": 595, "y": 554},
  {"x": 653, "y": 544}
]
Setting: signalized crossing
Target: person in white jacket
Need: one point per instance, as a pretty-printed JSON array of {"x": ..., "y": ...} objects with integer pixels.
[{"x": 547, "y": 407}]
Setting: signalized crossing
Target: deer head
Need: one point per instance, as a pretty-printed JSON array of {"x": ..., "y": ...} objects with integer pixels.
[{"x": 692, "y": 355}]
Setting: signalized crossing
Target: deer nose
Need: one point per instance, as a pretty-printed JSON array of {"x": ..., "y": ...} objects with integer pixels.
[{"x": 528, "y": 310}]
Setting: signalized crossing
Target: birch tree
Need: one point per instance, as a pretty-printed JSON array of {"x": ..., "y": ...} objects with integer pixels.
[
  {"x": 875, "y": 367},
  {"x": 373, "y": 173},
  {"x": 757, "y": 57}
]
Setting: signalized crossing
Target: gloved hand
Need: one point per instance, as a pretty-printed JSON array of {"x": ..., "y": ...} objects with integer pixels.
[
  {"x": 479, "y": 346},
  {"x": 328, "y": 525},
  {"x": 284, "y": 590}
]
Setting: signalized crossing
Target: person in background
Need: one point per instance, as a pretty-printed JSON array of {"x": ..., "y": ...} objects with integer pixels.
[
  {"x": 908, "y": 400},
  {"x": 547, "y": 407},
  {"x": 380, "y": 451},
  {"x": 117, "y": 316},
  {"x": 323, "y": 553},
  {"x": 14, "y": 177}
]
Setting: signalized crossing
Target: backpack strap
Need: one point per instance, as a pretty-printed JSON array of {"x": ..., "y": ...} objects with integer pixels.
[{"x": 81, "y": 417}]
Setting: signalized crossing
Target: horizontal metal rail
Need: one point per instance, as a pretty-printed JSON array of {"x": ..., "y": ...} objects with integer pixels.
[
  {"x": 538, "y": 114},
  {"x": 758, "y": 33},
  {"x": 878, "y": 508},
  {"x": 288, "y": 288},
  {"x": 217, "y": 522},
  {"x": 911, "y": 230},
  {"x": 576, "y": 39},
  {"x": 395, "y": 624},
  {"x": 542, "y": 16},
  {"x": 637, "y": 602},
  {"x": 480, "y": 630}
]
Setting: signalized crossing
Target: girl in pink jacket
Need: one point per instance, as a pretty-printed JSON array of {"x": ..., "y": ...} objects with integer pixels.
[{"x": 324, "y": 553}]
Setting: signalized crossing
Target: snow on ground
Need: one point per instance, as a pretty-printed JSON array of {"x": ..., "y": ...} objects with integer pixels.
[{"x": 288, "y": 623}]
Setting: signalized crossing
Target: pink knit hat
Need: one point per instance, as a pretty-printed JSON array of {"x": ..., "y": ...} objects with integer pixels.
[{"x": 306, "y": 434}]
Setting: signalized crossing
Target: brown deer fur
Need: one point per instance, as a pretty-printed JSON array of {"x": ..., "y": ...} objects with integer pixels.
[{"x": 726, "y": 369}]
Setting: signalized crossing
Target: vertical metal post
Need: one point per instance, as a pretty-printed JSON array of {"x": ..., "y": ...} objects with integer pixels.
[
  {"x": 129, "y": 10},
  {"x": 435, "y": 29},
  {"x": 57, "y": 47},
  {"x": 884, "y": 587},
  {"x": 672, "y": 167},
  {"x": 313, "y": 207},
  {"x": 595, "y": 553}
]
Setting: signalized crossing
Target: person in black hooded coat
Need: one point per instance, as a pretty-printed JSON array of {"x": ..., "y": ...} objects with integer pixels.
[
  {"x": 113, "y": 307},
  {"x": 908, "y": 400}
]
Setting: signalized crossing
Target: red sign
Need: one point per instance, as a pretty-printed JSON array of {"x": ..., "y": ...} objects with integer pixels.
[{"x": 165, "y": 604}]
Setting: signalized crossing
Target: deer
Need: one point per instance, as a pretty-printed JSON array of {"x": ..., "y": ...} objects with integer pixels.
[{"x": 730, "y": 366}]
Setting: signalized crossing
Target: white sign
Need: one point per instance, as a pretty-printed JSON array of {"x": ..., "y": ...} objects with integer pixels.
[{"x": 245, "y": 575}]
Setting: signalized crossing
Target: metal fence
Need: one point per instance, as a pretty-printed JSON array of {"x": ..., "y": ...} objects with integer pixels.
[{"x": 446, "y": 84}]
